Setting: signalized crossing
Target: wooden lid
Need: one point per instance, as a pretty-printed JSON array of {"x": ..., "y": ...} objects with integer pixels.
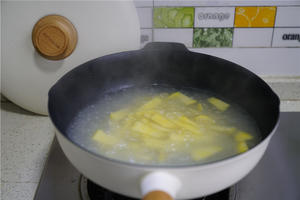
[{"x": 54, "y": 37}]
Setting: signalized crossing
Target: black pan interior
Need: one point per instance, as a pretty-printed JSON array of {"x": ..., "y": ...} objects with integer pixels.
[{"x": 162, "y": 63}]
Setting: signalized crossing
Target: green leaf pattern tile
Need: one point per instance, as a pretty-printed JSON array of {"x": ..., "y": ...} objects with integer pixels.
[
  {"x": 171, "y": 17},
  {"x": 212, "y": 37}
]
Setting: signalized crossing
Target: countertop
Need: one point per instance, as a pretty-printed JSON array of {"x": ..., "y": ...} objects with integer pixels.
[{"x": 26, "y": 139}]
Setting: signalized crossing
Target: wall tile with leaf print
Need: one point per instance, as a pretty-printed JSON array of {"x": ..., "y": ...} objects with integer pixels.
[
  {"x": 212, "y": 37},
  {"x": 173, "y": 17}
]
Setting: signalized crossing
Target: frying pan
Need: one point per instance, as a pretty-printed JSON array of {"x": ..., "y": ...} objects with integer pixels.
[{"x": 168, "y": 64}]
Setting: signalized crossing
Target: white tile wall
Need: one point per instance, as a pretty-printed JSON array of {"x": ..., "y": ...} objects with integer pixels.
[
  {"x": 288, "y": 17},
  {"x": 143, "y": 3},
  {"x": 177, "y": 3},
  {"x": 145, "y": 17},
  {"x": 252, "y": 37},
  {"x": 146, "y": 36},
  {"x": 256, "y": 53},
  {"x": 184, "y": 35},
  {"x": 225, "y": 2},
  {"x": 214, "y": 16},
  {"x": 262, "y": 61},
  {"x": 286, "y": 37}
]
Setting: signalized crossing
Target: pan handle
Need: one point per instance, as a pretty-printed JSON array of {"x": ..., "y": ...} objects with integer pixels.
[
  {"x": 159, "y": 186},
  {"x": 165, "y": 46},
  {"x": 157, "y": 195}
]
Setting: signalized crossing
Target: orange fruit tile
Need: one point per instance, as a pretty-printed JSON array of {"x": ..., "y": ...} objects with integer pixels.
[{"x": 255, "y": 16}]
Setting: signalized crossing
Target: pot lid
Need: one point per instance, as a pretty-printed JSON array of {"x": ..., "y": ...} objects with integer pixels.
[{"x": 38, "y": 53}]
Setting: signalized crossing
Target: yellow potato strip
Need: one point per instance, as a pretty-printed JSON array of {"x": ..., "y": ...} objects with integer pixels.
[
  {"x": 205, "y": 152},
  {"x": 147, "y": 130},
  {"x": 118, "y": 115},
  {"x": 223, "y": 129},
  {"x": 242, "y": 147},
  {"x": 104, "y": 138},
  {"x": 151, "y": 104},
  {"x": 161, "y": 120},
  {"x": 205, "y": 119},
  {"x": 187, "y": 126},
  {"x": 199, "y": 107},
  {"x": 183, "y": 98},
  {"x": 172, "y": 123},
  {"x": 219, "y": 104},
  {"x": 242, "y": 136}
]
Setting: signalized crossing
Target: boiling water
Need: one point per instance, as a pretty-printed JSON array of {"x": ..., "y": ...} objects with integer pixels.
[{"x": 96, "y": 116}]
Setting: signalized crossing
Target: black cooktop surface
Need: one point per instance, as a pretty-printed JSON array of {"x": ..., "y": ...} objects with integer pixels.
[{"x": 96, "y": 192}]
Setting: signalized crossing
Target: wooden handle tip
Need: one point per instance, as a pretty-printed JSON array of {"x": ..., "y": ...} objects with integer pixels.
[{"x": 157, "y": 195}]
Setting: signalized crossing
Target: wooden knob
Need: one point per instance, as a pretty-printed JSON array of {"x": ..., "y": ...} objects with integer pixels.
[
  {"x": 54, "y": 37},
  {"x": 157, "y": 195}
]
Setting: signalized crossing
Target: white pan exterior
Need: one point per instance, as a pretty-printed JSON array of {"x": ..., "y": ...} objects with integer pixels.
[{"x": 196, "y": 181}]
